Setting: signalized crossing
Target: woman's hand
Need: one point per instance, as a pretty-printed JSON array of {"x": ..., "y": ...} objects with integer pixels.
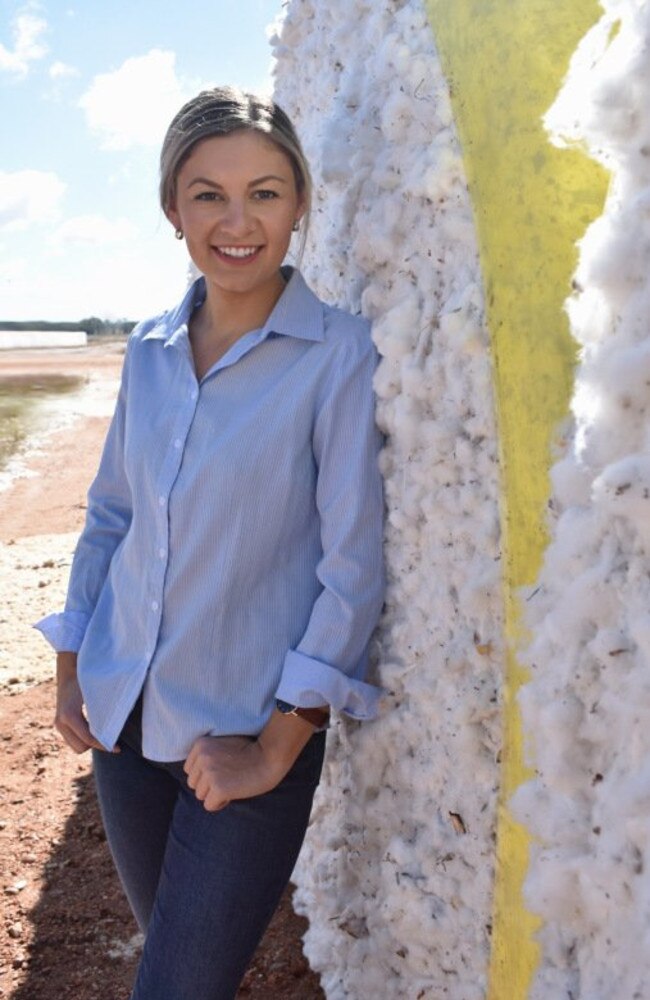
[
  {"x": 221, "y": 768},
  {"x": 69, "y": 718}
]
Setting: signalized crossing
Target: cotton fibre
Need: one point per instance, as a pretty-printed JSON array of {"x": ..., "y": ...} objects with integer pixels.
[
  {"x": 589, "y": 870},
  {"x": 396, "y": 875}
]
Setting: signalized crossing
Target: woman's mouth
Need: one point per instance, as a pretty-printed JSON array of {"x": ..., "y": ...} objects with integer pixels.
[{"x": 237, "y": 255}]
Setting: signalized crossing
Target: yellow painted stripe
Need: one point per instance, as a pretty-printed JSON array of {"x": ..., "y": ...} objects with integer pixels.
[{"x": 504, "y": 61}]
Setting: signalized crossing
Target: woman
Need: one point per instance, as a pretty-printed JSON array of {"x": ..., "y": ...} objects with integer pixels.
[{"x": 229, "y": 575}]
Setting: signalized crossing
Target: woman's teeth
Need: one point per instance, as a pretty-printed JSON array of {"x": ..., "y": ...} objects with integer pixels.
[{"x": 238, "y": 251}]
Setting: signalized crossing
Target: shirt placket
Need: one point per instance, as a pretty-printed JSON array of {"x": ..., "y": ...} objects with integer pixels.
[
  {"x": 189, "y": 398},
  {"x": 188, "y": 403}
]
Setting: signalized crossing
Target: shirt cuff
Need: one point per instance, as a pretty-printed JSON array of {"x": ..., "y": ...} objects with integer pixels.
[
  {"x": 64, "y": 631},
  {"x": 309, "y": 683}
]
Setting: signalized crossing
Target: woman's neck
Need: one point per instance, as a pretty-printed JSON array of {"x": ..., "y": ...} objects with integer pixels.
[{"x": 224, "y": 317}]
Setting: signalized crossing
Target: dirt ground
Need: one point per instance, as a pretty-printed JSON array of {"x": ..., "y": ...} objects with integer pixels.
[{"x": 68, "y": 933}]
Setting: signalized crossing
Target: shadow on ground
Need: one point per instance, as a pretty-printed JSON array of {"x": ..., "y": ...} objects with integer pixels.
[
  {"x": 81, "y": 925},
  {"x": 78, "y": 940}
]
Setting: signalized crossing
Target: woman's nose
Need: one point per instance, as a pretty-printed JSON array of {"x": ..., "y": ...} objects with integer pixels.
[{"x": 237, "y": 217}]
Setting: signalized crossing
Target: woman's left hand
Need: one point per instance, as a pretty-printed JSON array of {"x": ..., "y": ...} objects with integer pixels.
[{"x": 221, "y": 768}]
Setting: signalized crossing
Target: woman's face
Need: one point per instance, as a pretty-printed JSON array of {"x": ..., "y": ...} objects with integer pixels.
[{"x": 236, "y": 203}]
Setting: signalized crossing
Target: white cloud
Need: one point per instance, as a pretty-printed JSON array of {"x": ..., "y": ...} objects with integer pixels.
[
  {"x": 133, "y": 105},
  {"x": 28, "y": 197},
  {"x": 61, "y": 71},
  {"x": 138, "y": 279},
  {"x": 94, "y": 230},
  {"x": 27, "y": 30},
  {"x": 14, "y": 269}
]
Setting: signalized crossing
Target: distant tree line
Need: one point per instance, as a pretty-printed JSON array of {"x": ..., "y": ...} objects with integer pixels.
[{"x": 93, "y": 326}]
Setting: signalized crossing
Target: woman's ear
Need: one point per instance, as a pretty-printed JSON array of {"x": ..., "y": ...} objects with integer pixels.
[
  {"x": 300, "y": 209},
  {"x": 173, "y": 216}
]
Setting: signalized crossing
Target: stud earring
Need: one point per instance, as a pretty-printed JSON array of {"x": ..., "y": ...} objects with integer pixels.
[
  {"x": 295, "y": 227},
  {"x": 179, "y": 234}
]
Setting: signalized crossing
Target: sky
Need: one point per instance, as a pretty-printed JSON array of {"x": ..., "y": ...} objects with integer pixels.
[{"x": 87, "y": 90}]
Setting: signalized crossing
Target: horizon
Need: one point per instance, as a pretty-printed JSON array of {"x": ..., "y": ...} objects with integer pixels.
[{"x": 13, "y": 324}]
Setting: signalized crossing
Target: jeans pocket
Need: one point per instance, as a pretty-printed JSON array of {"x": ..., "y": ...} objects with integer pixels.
[
  {"x": 309, "y": 764},
  {"x": 177, "y": 770}
]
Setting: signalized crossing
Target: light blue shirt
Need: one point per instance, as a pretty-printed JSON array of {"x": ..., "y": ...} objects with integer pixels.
[{"x": 232, "y": 551}]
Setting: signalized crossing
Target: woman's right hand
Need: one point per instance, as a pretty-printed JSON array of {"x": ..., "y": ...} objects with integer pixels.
[{"x": 69, "y": 718}]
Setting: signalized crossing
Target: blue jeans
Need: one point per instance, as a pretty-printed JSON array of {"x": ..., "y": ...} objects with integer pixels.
[{"x": 202, "y": 886}]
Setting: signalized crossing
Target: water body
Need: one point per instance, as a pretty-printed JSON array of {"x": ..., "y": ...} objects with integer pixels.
[{"x": 21, "y": 399}]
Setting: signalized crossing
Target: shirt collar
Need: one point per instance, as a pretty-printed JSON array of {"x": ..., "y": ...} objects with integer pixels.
[{"x": 297, "y": 313}]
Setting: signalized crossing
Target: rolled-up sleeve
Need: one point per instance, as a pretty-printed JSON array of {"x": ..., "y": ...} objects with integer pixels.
[
  {"x": 107, "y": 520},
  {"x": 329, "y": 663}
]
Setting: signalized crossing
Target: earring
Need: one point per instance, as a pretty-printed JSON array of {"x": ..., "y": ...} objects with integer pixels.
[
  {"x": 295, "y": 227},
  {"x": 179, "y": 234}
]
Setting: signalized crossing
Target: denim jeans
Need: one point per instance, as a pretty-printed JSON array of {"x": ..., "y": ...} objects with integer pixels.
[{"x": 202, "y": 886}]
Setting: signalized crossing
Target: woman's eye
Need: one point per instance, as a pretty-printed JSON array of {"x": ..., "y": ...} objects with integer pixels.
[
  {"x": 207, "y": 196},
  {"x": 263, "y": 194}
]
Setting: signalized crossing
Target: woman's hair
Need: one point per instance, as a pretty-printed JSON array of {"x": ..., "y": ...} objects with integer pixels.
[{"x": 223, "y": 111}]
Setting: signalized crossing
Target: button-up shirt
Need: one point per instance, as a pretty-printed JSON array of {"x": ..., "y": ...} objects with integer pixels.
[{"x": 232, "y": 551}]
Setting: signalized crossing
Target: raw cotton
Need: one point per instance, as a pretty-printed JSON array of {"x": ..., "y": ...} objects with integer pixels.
[
  {"x": 587, "y": 709},
  {"x": 396, "y": 876}
]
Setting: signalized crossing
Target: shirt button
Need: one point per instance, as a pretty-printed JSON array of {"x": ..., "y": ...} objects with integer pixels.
[
  {"x": 177, "y": 443},
  {"x": 161, "y": 501},
  {"x": 161, "y": 553},
  {"x": 154, "y": 605}
]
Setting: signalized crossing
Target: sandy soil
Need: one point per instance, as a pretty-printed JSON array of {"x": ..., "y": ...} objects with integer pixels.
[
  {"x": 68, "y": 933},
  {"x": 97, "y": 357}
]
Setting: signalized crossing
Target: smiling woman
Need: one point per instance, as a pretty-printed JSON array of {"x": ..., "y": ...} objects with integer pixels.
[
  {"x": 235, "y": 184},
  {"x": 230, "y": 573},
  {"x": 237, "y": 205}
]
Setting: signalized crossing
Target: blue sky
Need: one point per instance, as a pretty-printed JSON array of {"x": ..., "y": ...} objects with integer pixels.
[{"x": 87, "y": 89}]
